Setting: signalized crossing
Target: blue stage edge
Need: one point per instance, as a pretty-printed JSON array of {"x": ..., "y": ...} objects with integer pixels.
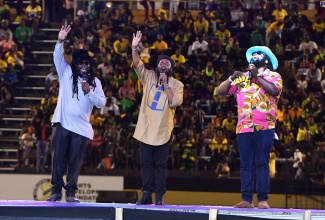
[{"x": 37, "y": 210}]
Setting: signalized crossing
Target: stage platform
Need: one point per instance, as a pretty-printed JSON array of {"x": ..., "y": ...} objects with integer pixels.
[{"x": 37, "y": 210}]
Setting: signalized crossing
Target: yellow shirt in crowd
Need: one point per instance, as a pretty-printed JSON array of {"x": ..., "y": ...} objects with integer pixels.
[
  {"x": 222, "y": 34},
  {"x": 160, "y": 45},
  {"x": 30, "y": 10},
  {"x": 279, "y": 15},
  {"x": 198, "y": 25},
  {"x": 229, "y": 125},
  {"x": 274, "y": 28},
  {"x": 181, "y": 59},
  {"x": 121, "y": 46},
  {"x": 215, "y": 145},
  {"x": 318, "y": 27}
]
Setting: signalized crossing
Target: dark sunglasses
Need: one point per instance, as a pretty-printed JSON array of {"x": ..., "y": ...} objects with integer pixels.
[
  {"x": 87, "y": 63},
  {"x": 259, "y": 53}
]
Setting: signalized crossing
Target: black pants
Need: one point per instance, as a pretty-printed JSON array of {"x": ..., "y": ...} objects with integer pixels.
[
  {"x": 144, "y": 3},
  {"x": 68, "y": 152},
  {"x": 149, "y": 154}
]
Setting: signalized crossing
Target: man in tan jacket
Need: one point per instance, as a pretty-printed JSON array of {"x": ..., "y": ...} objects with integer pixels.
[{"x": 161, "y": 95}]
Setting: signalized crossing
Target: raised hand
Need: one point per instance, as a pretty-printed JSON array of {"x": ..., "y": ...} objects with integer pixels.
[
  {"x": 136, "y": 39},
  {"x": 64, "y": 32}
]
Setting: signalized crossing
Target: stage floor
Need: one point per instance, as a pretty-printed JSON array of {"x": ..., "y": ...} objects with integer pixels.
[{"x": 36, "y": 210}]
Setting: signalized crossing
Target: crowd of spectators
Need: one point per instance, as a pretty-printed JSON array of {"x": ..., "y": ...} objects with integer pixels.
[
  {"x": 206, "y": 48},
  {"x": 14, "y": 45}
]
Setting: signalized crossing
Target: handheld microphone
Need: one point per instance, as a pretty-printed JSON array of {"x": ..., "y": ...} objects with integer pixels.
[
  {"x": 85, "y": 79},
  {"x": 163, "y": 70}
]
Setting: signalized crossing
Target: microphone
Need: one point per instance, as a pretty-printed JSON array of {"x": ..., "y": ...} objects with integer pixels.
[
  {"x": 163, "y": 70},
  {"x": 85, "y": 79}
]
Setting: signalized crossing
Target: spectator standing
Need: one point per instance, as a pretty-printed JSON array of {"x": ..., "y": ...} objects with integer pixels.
[
  {"x": 6, "y": 44},
  {"x": 279, "y": 13},
  {"x": 5, "y": 30},
  {"x": 43, "y": 134},
  {"x": 52, "y": 76},
  {"x": 22, "y": 36},
  {"x": 33, "y": 12},
  {"x": 4, "y": 10}
]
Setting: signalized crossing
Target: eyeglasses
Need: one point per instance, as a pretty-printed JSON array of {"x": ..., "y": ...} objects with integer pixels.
[{"x": 87, "y": 63}]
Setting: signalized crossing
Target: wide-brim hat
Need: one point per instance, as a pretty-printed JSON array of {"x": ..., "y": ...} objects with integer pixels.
[
  {"x": 80, "y": 55},
  {"x": 167, "y": 58},
  {"x": 262, "y": 49}
]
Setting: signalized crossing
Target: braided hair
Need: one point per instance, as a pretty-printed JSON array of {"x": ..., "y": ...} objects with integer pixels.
[{"x": 78, "y": 56}]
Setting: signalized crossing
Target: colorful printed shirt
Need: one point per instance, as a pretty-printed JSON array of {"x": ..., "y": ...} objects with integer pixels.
[{"x": 256, "y": 108}]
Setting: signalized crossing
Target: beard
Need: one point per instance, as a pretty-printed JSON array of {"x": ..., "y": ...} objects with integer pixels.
[
  {"x": 260, "y": 62},
  {"x": 165, "y": 70}
]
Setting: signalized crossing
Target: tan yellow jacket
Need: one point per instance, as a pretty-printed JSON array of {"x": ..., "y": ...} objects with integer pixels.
[{"x": 155, "y": 121}]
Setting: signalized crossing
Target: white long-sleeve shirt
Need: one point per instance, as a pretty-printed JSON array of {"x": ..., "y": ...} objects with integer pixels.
[{"x": 74, "y": 114}]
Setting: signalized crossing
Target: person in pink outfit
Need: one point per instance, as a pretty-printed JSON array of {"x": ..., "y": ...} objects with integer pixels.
[{"x": 257, "y": 92}]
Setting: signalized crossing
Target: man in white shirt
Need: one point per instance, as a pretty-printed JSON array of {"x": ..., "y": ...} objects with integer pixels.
[
  {"x": 200, "y": 45},
  {"x": 199, "y": 54},
  {"x": 308, "y": 44},
  {"x": 109, "y": 95},
  {"x": 52, "y": 76},
  {"x": 110, "y": 106},
  {"x": 79, "y": 91}
]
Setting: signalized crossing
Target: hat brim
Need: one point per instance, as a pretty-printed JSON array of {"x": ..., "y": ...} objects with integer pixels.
[{"x": 263, "y": 49}]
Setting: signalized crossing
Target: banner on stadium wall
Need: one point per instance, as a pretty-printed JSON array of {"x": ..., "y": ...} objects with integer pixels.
[{"x": 38, "y": 187}]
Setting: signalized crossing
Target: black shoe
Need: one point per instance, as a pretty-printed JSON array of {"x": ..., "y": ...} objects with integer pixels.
[
  {"x": 146, "y": 199},
  {"x": 159, "y": 199},
  {"x": 72, "y": 199},
  {"x": 54, "y": 197}
]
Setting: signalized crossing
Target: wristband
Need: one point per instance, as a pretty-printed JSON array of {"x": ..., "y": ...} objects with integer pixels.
[
  {"x": 168, "y": 87},
  {"x": 135, "y": 48},
  {"x": 230, "y": 79}
]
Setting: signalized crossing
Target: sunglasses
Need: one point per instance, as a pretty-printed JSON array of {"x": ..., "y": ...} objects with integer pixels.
[
  {"x": 259, "y": 53},
  {"x": 87, "y": 63}
]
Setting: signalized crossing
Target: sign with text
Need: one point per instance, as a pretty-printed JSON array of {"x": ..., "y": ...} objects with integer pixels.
[{"x": 38, "y": 187}]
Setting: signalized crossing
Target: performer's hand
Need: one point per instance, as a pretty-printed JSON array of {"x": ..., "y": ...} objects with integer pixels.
[
  {"x": 163, "y": 79},
  {"x": 252, "y": 68},
  {"x": 236, "y": 75},
  {"x": 64, "y": 32},
  {"x": 136, "y": 39},
  {"x": 85, "y": 87}
]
